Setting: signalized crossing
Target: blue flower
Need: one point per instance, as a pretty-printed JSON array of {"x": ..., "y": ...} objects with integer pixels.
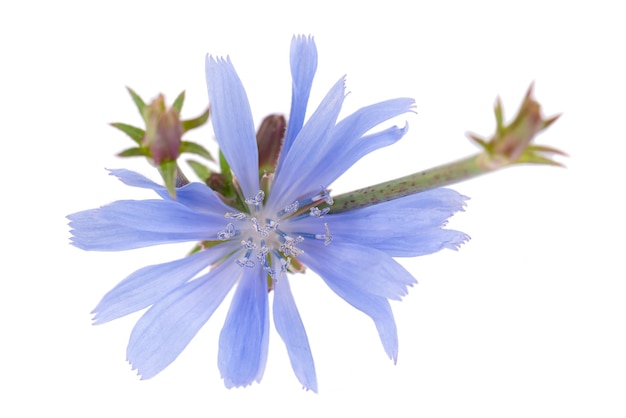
[{"x": 284, "y": 222}]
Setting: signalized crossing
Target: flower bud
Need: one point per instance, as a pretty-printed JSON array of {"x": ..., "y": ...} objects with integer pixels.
[
  {"x": 511, "y": 144},
  {"x": 269, "y": 138},
  {"x": 164, "y": 131}
]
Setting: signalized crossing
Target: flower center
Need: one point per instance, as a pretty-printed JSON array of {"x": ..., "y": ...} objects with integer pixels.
[{"x": 262, "y": 231}]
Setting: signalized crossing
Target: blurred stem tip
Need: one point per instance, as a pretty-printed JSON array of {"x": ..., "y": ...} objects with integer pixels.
[{"x": 511, "y": 144}]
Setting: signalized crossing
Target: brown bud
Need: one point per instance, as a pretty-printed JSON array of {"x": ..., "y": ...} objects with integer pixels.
[{"x": 269, "y": 140}]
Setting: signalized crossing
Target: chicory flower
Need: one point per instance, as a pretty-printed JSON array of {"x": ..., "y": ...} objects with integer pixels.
[{"x": 282, "y": 220}]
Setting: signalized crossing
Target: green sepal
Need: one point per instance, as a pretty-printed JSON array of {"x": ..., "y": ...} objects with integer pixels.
[
  {"x": 178, "y": 103},
  {"x": 201, "y": 170},
  {"x": 540, "y": 154},
  {"x": 190, "y": 124},
  {"x": 194, "y": 148},
  {"x": 135, "y": 133},
  {"x": 168, "y": 172},
  {"x": 134, "y": 152},
  {"x": 225, "y": 170},
  {"x": 203, "y": 245},
  {"x": 499, "y": 113},
  {"x": 141, "y": 105}
]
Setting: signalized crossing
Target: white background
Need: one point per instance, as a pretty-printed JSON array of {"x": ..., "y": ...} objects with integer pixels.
[{"x": 527, "y": 319}]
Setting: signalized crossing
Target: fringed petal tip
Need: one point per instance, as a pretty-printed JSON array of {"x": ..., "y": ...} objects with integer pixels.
[
  {"x": 230, "y": 384},
  {"x": 458, "y": 239}
]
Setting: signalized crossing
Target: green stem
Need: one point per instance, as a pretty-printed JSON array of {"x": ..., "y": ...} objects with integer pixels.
[{"x": 443, "y": 175}]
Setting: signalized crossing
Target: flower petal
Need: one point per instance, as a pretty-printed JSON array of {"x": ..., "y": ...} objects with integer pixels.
[
  {"x": 162, "y": 216},
  {"x": 320, "y": 162},
  {"x": 408, "y": 226},
  {"x": 232, "y": 121},
  {"x": 427, "y": 242},
  {"x": 291, "y": 330},
  {"x": 149, "y": 284},
  {"x": 168, "y": 326},
  {"x": 92, "y": 233},
  {"x": 304, "y": 152},
  {"x": 196, "y": 196},
  {"x": 375, "y": 307},
  {"x": 127, "y": 224},
  {"x": 244, "y": 339},
  {"x": 357, "y": 266},
  {"x": 348, "y": 142},
  {"x": 303, "y": 67}
]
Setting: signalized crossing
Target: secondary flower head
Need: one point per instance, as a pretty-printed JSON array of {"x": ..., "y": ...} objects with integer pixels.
[{"x": 277, "y": 222}]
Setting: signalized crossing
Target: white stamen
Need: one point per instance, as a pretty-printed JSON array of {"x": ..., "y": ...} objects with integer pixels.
[
  {"x": 228, "y": 233},
  {"x": 258, "y": 228},
  {"x": 328, "y": 236},
  {"x": 315, "y": 211},
  {"x": 238, "y": 216},
  {"x": 257, "y": 200},
  {"x": 288, "y": 247},
  {"x": 289, "y": 209}
]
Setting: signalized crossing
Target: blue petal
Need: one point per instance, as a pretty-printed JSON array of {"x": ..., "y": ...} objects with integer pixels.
[
  {"x": 163, "y": 332},
  {"x": 162, "y": 216},
  {"x": 291, "y": 330},
  {"x": 92, "y": 233},
  {"x": 244, "y": 338},
  {"x": 149, "y": 284},
  {"x": 409, "y": 226},
  {"x": 196, "y": 196},
  {"x": 232, "y": 122},
  {"x": 320, "y": 160},
  {"x": 303, "y": 67},
  {"x": 348, "y": 142},
  {"x": 427, "y": 242},
  {"x": 375, "y": 307},
  {"x": 129, "y": 224},
  {"x": 304, "y": 152},
  {"x": 359, "y": 267}
]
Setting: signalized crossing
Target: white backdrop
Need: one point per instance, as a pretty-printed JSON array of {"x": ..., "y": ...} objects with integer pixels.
[{"x": 527, "y": 319}]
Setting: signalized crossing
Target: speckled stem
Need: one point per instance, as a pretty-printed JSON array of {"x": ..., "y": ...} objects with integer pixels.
[{"x": 443, "y": 175}]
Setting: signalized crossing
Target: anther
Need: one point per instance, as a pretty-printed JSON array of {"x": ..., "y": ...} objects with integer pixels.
[
  {"x": 228, "y": 233},
  {"x": 238, "y": 216},
  {"x": 323, "y": 195},
  {"x": 248, "y": 245},
  {"x": 258, "y": 228},
  {"x": 288, "y": 247},
  {"x": 328, "y": 237},
  {"x": 315, "y": 211},
  {"x": 245, "y": 260},
  {"x": 291, "y": 208},
  {"x": 262, "y": 253},
  {"x": 257, "y": 200}
]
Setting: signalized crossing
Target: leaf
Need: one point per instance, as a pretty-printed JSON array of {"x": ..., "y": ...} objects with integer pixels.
[
  {"x": 194, "y": 148},
  {"x": 138, "y": 101},
  {"x": 201, "y": 170},
  {"x": 136, "y": 134},
  {"x": 178, "y": 103},
  {"x": 190, "y": 124},
  {"x": 134, "y": 152}
]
